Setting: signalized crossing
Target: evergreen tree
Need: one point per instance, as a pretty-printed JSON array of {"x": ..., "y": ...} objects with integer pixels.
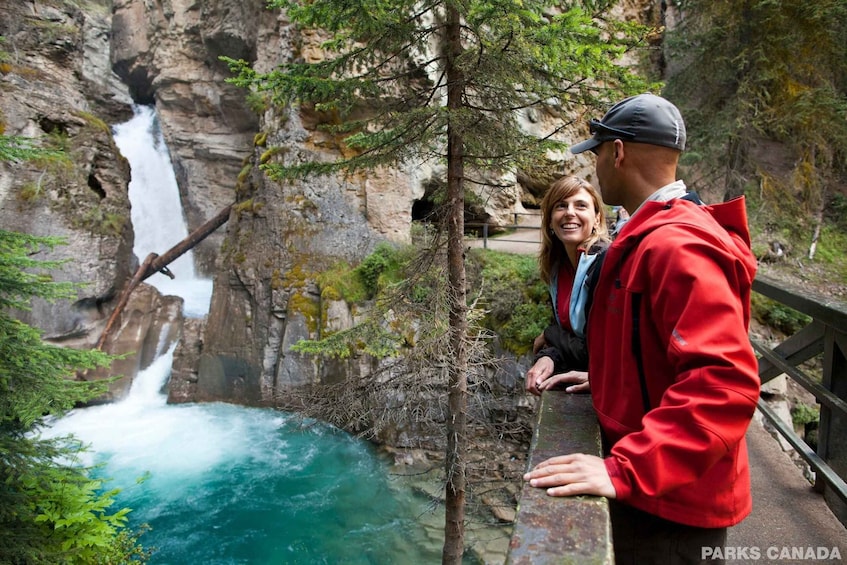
[
  {"x": 408, "y": 82},
  {"x": 753, "y": 72},
  {"x": 51, "y": 511}
]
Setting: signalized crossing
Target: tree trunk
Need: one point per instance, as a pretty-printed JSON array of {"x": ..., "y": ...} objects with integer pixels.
[
  {"x": 816, "y": 235},
  {"x": 454, "y": 521}
]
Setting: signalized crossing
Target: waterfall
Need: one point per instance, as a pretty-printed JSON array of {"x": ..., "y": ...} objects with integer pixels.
[
  {"x": 157, "y": 213},
  {"x": 227, "y": 484}
]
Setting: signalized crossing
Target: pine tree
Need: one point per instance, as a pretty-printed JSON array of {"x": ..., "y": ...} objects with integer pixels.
[
  {"x": 758, "y": 70},
  {"x": 51, "y": 510},
  {"x": 407, "y": 82}
]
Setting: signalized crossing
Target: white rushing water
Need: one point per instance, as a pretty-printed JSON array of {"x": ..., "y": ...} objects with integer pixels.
[
  {"x": 157, "y": 213},
  {"x": 230, "y": 484},
  {"x": 143, "y": 434}
]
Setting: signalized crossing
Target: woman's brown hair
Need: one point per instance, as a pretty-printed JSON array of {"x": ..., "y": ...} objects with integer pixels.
[{"x": 552, "y": 251}]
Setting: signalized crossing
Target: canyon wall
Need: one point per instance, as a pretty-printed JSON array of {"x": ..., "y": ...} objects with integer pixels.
[{"x": 72, "y": 72}]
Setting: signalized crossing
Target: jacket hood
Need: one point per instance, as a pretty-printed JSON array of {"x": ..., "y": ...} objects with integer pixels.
[{"x": 731, "y": 216}]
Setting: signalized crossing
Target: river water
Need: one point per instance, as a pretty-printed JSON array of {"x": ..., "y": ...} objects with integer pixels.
[{"x": 219, "y": 483}]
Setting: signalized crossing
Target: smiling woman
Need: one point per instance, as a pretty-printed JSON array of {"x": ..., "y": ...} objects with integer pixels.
[{"x": 573, "y": 226}]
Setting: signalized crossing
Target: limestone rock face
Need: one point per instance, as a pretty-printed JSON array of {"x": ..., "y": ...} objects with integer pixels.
[
  {"x": 59, "y": 91},
  {"x": 167, "y": 53},
  {"x": 81, "y": 196}
]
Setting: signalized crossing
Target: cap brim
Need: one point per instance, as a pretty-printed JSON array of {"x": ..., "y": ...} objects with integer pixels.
[{"x": 585, "y": 145}]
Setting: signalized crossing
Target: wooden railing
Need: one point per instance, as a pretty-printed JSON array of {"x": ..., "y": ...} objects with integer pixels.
[
  {"x": 826, "y": 336},
  {"x": 577, "y": 530},
  {"x": 562, "y": 530}
]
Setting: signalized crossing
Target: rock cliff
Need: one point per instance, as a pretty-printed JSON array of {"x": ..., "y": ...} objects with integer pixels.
[
  {"x": 71, "y": 72},
  {"x": 58, "y": 89}
]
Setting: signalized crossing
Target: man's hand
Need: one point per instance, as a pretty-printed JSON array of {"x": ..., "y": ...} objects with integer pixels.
[
  {"x": 568, "y": 475},
  {"x": 578, "y": 381}
]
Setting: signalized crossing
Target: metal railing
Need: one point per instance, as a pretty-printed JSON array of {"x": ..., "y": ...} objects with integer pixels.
[{"x": 483, "y": 230}]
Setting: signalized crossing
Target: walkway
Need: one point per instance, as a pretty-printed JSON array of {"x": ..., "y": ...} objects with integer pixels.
[
  {"x": 787, "y": 512},
  {"x": 525, "y": 241}
]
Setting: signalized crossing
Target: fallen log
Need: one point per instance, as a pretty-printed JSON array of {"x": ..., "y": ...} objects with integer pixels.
[{"x": 155, "y": 263}]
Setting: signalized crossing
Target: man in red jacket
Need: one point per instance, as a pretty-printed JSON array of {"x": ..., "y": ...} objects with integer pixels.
[{"x": 673, "y": 376}]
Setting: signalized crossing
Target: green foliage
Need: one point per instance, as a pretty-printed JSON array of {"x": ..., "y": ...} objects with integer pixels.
[
  {"x": 336, "y": 283},
  {"x": 382, "y": 86},
  {"x": 50, "y": 511},
  {"x": 16, "y": 148},
  {"x": 759, "y": 69},
  {"x": 777, "y": 315},
  {"x": 524, "y": 325},
  {"x": 802, "y": 414},
  {"x": 513, "y": 302},
  {"x": 371, "y": 337},
  {"x": 378, "y": 269},
  {"x": 514, "y": 298}
]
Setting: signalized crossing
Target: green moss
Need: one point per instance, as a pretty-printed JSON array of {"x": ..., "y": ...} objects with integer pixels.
[
  {"x": 803, "y": 414},
  {"x": 299, "y": 303},
  {"x": 30, "y": 191},
  {"x": 244, "y": 173},
  {"x": 276, "y": 280},
  {"x": 248, "y": 206},
  {"x": 340, "y": 282},
  {"x": 93, "y": 121},
  {"x": 296, "y": 277},
  {"x": 269, "y": 154},
  {"x": 260, "y": 139}
]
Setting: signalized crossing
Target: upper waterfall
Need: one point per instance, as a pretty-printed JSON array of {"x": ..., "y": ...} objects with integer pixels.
[{"x": 157, "y": 214}]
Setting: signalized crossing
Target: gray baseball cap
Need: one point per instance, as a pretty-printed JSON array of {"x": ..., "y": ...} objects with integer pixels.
[{"x": 645, "y": 118}]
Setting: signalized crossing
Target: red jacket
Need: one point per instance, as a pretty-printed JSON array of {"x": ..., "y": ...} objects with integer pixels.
[{"x": 690, "y": 267}]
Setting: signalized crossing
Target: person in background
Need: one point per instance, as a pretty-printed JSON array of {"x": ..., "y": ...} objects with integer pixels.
[
  {"x": 573, "y": 231},
  {"x": 674, "y": 379}
]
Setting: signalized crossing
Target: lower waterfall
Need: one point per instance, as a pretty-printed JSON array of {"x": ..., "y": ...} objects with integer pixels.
[{"x": 219, "y": 483}]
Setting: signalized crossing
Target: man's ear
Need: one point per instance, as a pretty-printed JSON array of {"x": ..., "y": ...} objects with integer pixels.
[{"x": 619, "y": 152}]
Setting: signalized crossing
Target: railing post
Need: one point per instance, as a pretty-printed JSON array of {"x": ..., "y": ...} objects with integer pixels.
[
  {"x": 485, "y": 235},
  {"x": 832, "y": 427}
]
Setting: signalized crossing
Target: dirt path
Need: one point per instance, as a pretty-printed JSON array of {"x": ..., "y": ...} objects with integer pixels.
[{"x": 524, "y": 239}]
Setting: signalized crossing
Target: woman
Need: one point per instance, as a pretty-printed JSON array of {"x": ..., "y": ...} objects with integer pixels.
[{"x": 573, "y": 229}]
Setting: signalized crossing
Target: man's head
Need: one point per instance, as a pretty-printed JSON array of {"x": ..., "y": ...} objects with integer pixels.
[
  {"x": 645, "y": 118},
  {"x": 637, "y": 143}
]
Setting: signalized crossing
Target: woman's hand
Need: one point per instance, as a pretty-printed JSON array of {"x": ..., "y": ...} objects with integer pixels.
[
  {"x": 578, "y": 381},
  {"x": 540, "y": 372}
]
